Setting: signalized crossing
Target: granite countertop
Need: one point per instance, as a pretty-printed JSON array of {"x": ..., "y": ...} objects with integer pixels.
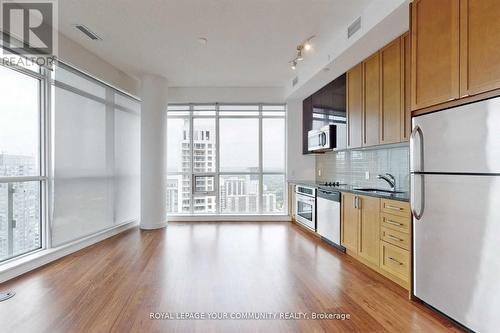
[{"x": 405, "y": 196}]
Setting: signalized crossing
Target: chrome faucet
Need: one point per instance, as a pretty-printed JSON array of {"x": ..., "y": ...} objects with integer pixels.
[{"x": 390, "y": 179}]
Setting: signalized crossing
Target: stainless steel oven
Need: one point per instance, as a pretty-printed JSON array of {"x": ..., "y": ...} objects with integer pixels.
[{"x": 305, "y": 206}]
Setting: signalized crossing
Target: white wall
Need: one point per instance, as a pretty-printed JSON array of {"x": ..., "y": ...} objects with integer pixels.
[
  {"x": 300, "y": 167},
  {"x": 225, "y": 95},
  {"x": 86, "y": 61},
  {"x": 381, "y": 22}
]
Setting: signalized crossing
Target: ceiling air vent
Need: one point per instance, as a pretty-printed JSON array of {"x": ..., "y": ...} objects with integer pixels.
[
  {"x": 89, "y": 33},
  {"x": 295, "y": 81},
  {"x": 354, "y": 27}
]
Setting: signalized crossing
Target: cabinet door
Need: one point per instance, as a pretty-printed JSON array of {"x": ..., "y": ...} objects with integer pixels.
[
  {"x": 435, "y": 44},
  {"x": 369, "y": 230},
  {"x": 371, "y": 100},
  {"x": 354, "y": 107},
  {"x": 392, "y": 92},
  {"x": 307, "y": 119},
  {"x": 350, "y": 218},
  {"x": 479, "y": 46},
  {"x": 406, "y": 116}
]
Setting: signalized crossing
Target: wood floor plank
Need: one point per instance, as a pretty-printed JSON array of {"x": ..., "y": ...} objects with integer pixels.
[{"x": 209, "y": 267}]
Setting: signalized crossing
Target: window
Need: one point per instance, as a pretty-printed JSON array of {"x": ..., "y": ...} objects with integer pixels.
[
  {"x": 96, "y": 142},
  {"x": 235, "y": 155},
  {"x": 95, "y": 147},
  {"x": 239, "y": 144},
  {"x": 21, "y": 175}
]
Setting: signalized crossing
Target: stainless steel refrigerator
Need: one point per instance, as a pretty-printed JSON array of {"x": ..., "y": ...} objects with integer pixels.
[{"x": 455, "y": 201}]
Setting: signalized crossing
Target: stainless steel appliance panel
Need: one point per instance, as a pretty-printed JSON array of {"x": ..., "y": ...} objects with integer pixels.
[
  {"x": 328, "y": 215},
  {"x": 305, "y": 211},
  {"x": 465, "y": 139},
  {"x": 457, "y": 247}
]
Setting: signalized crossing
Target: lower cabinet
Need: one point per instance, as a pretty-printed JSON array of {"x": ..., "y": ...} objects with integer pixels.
[
  {"x": 369, "y": 230},
  {"x": 350, "y": 218},
  {"x": 377, "y": 232},
  {"x": 396, "y": 262}
]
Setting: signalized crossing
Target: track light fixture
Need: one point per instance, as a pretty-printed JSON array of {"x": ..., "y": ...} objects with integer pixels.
[
  {"x": 305, "y": 46},
  {"x": 299, "y": 53}
]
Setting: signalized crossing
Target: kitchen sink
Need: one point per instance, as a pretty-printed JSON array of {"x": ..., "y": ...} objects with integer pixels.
[{"x": 377, "y": 191}]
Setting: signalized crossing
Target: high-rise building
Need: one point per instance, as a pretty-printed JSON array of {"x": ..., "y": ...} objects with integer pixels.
[
  {"x": 19, "y": 207},
  {"x": 204, "y": 158}
]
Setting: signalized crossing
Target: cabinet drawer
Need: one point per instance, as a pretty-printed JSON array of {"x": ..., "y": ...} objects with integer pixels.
[
  {"x": 395, "y": 261},
  {"x": 395, "y": 237},
  {"x": 394, "y": 222},
  {"x": 399, "y": 208}
]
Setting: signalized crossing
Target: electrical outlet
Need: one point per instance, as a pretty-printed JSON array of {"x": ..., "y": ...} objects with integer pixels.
[
  {"x": 367, "y": 175},
  {"x": 319, "y": 172}
]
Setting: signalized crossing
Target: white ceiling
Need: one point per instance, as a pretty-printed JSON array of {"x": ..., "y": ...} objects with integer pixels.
[{"x": 249, "y": 41}]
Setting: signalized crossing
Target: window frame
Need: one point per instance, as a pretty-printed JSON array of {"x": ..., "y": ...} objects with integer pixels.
[
  {"x": 43, "y": 77},
  {"x": 191, "y": 111}
]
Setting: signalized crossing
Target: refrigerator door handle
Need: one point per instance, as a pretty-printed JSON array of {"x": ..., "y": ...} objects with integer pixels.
[
  {"x": 417, "y": 148},
  {"x": 417, "y": 213}
]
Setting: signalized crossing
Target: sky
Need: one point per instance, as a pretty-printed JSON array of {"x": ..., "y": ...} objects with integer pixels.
[
  {"x": 19, "y": 113},
  {"x": 239, "y": 143}
]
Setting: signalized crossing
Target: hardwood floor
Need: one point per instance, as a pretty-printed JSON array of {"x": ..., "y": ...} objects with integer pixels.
[{"x": 113, "y": 286}]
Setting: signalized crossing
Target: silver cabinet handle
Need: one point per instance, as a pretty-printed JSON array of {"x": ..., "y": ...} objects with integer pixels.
[
  {"x": 354, "y": 202},
  {"x": 396, "y": 261},
  {"x": 417, "y": 208},
  {"x": 394, "y": 238},
  {"x": 393, "y": 207},
  {"x": 394, "y": 223}
]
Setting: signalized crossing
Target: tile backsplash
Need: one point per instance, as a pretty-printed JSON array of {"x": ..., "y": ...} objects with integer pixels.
[{"x": 350, "y": 167}]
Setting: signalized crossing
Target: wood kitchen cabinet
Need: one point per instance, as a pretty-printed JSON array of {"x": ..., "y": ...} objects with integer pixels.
[
  {"x": 369, "y": 229},
  {"x": 435, "y": 52},
  {"x": 378, "y": 97},
  {"x": 454, "y": 52},
  {"x": 479, "y": 46},
  {"x": 350, "y": 220},
  {"x": 406, "y": 111},
  {"x": 371, "y": 100},
  {"x": 392, "y": 92},
  {"x": 361, "y": 227},
  {"x": 395, "y": 241},
  {"x": 354, "y": 107},
  {"x": 377, "y": 232}
]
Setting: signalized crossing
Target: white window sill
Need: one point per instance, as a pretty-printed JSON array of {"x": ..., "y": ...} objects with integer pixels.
[{"x": 231, "y": 218}]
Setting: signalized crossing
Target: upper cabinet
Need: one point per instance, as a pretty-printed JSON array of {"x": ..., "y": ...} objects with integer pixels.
[
  {"x": 479, "y": 46},
  {"x": 454, "y": 50},
  {"x": 406, "y": 117},
  {"x": 435, "y": 32},
  {"x": 307, "y": 122},
  {"x": 392, "y": 92},
  {"x": 378, "y": 91},
  {"x": 354, "y": 107},
  {"x": 371, "y": 100},
  {"x": 326, "y": 106}
]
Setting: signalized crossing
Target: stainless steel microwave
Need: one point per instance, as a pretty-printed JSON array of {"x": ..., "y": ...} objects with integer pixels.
[{"x": 322, "y": 139}]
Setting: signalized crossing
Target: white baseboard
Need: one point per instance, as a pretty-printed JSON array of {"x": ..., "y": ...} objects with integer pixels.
[
  {"x": 19, "y": 266},
  {"x": 229, "y": 218}
]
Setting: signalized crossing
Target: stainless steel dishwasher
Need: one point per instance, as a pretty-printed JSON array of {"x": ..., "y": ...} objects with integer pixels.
[{"x": 328, "y": 217}]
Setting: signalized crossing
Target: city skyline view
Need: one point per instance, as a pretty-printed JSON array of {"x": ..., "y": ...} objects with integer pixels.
[{"x": 234, "y": 186}]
